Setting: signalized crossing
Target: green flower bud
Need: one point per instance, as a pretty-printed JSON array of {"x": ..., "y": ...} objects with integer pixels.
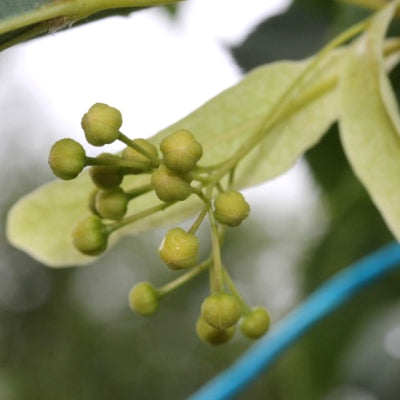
[
  {"x": 256, "y": 323},
  {"x": 143, "y": 299},
  {"x": 101, "y": 124},
  {"x": 210, "y": 335},
  {"x": 221, "y": 310},
  {"x": 169, "y": 185},
  {"x": 181, "y": 151},
  {"x": 112, "y": 204},
  {"x": 230, "y": 208},
  {"x": 106, "y": 177},
  {"x": 179, "y": 249},
  {"x": 67, "y": 158},
  {"x": 92, "y": 201},
  {"x": 140, "y": 162},
  {"x": 90, "y": 236}
]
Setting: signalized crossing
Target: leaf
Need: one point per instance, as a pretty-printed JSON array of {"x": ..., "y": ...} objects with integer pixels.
[
  {"x": 23, "y": 19},
  {"x": 40, "y": 223},
  {"x": 369, "y": 121}
]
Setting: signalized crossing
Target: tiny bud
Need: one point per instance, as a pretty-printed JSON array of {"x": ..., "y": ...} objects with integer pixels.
[
  {"x": 221, "y": 310},
  {"x": 67, "y": 158},
  {"x": 179, "y": 249},
  {"x": 112, "y": 204},
  {"x": 143, "y": 299},
  {"x": 210, "y": 335},
  {"x": 101, "y": 124},
  {"x": 106, "y": 177},
  {"x": 140, "y": 162},
  {"x": 169, "y": 185},
  {"x": 230, "y": 208},
  {"x": 90, "y": 236},
  {"x": 181, "y": 151},
  {"x": 256, "y": 323}
]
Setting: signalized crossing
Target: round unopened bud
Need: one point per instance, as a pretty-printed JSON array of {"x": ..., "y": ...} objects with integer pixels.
[
  {"x": 143, "y": 299},
  {"x": 208, "y": 334},
  {"x": 112, "y": 204},
  {"x": 179, "y": 249},
  {"x": 90, "y": 236},
  {"x": 140, "y": 162},
  {"x": 101, "y": 124},
  {"x": 221, "y": 310},
  {"x": 181, "y": 151},
  {"x": 256, "y": 323},
  {"x": 67, "y": 158},
  {"x": 169, "y": 185},
  {"x": 106, "y": 177},
  {"x": 230, "y": 208}
]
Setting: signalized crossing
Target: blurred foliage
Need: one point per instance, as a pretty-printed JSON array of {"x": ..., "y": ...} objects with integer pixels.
[{"x": 69, "y": 335}]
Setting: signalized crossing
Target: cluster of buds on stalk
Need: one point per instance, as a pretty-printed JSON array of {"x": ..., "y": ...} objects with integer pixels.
[{"x": 174, "y": 175}]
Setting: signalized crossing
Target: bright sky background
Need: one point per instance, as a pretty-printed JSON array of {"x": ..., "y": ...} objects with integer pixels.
[{"x": 153, "y": 69}]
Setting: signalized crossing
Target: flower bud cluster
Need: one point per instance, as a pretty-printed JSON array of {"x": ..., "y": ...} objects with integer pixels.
[{"x": 174, "y": 176}]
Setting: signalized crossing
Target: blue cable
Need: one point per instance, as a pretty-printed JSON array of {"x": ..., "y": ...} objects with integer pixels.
[{"x": 323, "y": 301}]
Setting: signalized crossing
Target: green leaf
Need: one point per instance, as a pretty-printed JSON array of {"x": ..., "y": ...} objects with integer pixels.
[
  {"x": 369, "y": 121},
  {"x": 23, "y": 19},
  {"x": 40, "y": 223}
]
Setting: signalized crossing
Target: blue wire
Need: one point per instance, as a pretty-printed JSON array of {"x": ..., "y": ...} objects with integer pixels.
[{"x": 326, "y": 299}]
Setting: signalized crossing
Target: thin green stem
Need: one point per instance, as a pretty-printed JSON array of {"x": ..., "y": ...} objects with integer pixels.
[
  {"x": 391, "y": 47},
  {"x": 233, "y": 289},
  {"x": 216, "y": 253},
  {"x": 199, "y": 178},
  {"x": 200, "y": 194},
  {"x": 139, "y": 191},
  {"x": 231, "y": 178},
  {"x": 133, "y": 218},
  {"x": 199, "y": 219},
  {"x": 211, "y": 277},
  {"x": 219, "y": 187},
  {"x": 281, "y": 105},
  {"x": 127, "y": 166},
  {"x": 186, "y": 277},
  {"x": 124, "y": 139}
]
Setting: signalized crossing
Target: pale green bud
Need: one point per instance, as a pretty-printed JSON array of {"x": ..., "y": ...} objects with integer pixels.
[
  {"x": 106, "y": 177},
  {"x": 256, "y": 323},
  {"x": 143, "y": 299},
  {"x": 90, "y": 236},
  {"x": 221, "y": 310},
  {"x": 210, "y": 335},
  {"x": 101, "y": 124},
  {"x": 112, "y": 204},
  {"x": 230, "y": 208},
  {"x": 67, "y": 159},
  {"x": 169, "y": 185},
  {"x": 181, "y": 151},
  {"x": 179, "y": 249}
]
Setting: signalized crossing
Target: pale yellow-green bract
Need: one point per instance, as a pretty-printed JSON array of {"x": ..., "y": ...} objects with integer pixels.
[
  {"x": 41, "y": 222},
  {"x": 369, "y": 120}
]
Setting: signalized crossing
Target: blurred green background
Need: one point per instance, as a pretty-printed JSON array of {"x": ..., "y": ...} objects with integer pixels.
[{"x": 69, "y": 335}]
